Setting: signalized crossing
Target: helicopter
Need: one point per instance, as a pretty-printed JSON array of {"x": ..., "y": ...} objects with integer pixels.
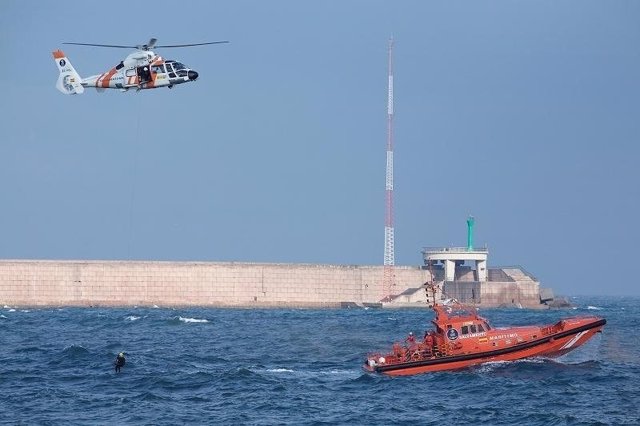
[{"x": 142, "y": 69}]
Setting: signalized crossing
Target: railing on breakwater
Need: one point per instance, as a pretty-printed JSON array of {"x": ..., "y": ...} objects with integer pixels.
[{"x": 484, "y": 249}]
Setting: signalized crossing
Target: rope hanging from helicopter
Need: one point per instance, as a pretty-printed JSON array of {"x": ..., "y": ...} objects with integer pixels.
[{"x": 134, "y": 174}]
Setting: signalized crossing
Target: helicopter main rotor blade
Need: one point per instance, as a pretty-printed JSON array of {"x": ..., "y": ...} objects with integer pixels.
[
  {"x": 150, "y": 45},
  {"x": 193, "y": 44},
  {"x": 103, "y": 45}
]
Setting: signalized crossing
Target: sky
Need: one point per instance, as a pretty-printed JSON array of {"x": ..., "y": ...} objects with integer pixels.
[{"x": 524, "y": 114}]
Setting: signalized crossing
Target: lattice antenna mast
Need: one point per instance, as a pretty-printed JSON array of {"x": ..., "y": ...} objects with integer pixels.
[{"x": 389, "y": 249}]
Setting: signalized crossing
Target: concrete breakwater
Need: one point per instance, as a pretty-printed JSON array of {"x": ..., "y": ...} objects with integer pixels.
[{"x": 234, "y": 284}]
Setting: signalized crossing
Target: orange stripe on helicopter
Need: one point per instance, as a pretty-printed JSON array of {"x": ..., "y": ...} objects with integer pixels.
[
  {"x": 98, "y": 80},
  {"x": 107, "y": 78},
  {"x": 58, "y": 54}
]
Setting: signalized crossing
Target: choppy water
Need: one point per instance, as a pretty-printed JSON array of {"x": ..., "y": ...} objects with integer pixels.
[{"x": 222, "y": 366}]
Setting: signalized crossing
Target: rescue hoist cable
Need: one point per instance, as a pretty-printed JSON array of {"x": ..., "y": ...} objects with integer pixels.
[{"x": 134, "y": 174}]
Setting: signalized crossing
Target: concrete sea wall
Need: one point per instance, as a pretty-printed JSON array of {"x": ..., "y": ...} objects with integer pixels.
[
  {"x": 233, "y": 284},
  {"x": 128, "y": 283}
]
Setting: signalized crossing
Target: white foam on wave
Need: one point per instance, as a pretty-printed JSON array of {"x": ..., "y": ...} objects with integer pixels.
[
  {"x": 156, "y": 307},
  {"x": 279, "y": 370},
  {"x": 192, "y": 319},
  {"x": 2, "y": 316},
  {"x": 491, "y": 366},
  {"x": 594, "y": 308},
  {"x": 486, "y": 367},
  {"x": 311, "y": 374},
  {"x": 25, "y": 310},
  {"x": 342, "y": 372},
  {"x": 12, "y": 310},
  {"x": 132, "y": 318}
]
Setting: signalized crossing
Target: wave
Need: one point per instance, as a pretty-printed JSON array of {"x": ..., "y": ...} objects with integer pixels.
[
  {"x": 279, "y": 370},
  {"x": 492, "y": 366},
  {"x": 2, "y": 316},
  {"x": 311, "y": 373},
  {"x": 183, "y": 319},
  {"x": 132, "y": 318},
  {"x": 75, "y": 350},
  {"x": 593, "y": 308},
  {"x": 180, "y": 320}
]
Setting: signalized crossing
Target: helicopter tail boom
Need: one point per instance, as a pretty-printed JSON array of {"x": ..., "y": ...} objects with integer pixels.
[{"x": 69, "y": 81}]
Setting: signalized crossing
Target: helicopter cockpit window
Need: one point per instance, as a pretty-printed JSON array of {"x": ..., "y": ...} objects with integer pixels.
[
  {"x": 120, "y": 65},
  {"x": 168, "y": 65},
  {"x": 178, "y": 66}
]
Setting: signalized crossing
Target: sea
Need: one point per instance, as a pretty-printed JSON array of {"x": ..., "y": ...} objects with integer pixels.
[{"x": 301, "y": 367}]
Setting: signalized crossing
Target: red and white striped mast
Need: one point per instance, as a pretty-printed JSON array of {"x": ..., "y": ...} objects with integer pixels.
[{"x": 389, "y": 251}]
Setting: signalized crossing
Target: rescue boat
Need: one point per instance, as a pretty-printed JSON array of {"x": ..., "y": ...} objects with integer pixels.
[{"x": 461, "y": 338}]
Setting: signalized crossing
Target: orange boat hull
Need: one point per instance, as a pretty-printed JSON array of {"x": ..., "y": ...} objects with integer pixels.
[{"x": 557, "y": 341}]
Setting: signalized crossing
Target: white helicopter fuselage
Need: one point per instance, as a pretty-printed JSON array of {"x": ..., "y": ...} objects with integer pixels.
[{"x": 140, "y": 70}]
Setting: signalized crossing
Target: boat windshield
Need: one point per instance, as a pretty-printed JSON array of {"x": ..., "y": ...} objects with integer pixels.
[{"x": 457, "y": 311}]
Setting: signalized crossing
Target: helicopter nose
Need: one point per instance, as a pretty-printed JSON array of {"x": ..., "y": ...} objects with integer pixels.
[{"x": 192, "y": 75}]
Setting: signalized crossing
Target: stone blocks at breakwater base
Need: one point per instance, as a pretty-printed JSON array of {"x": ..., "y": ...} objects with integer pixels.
[{"x": 228, "y": 284}]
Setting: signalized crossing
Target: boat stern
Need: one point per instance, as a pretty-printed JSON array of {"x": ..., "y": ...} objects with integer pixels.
[{"x": 372, "y": 362}]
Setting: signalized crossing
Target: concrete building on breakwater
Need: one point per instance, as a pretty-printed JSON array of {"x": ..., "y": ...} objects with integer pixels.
[{"x": 465, "y": 276}]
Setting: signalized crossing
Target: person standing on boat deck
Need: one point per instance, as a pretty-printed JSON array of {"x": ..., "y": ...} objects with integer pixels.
[
  {"x": 411, "y": 339},
  {"x": 120, "y": 361},
  {"x": 428, "y": 340}
]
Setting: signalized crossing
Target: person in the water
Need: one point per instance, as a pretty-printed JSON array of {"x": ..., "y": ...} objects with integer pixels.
[{"x": 120, "y": 360}]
